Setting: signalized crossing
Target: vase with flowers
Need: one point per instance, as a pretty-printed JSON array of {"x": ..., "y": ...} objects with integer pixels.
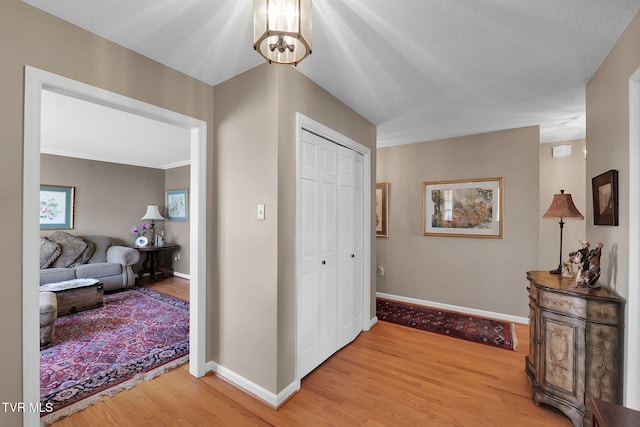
[{"x": 139, "y": 234}]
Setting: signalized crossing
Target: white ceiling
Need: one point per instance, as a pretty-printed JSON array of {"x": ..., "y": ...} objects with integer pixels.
[
  {"x": 76, "y": 128},
  {"x": 418, "y": 69}
]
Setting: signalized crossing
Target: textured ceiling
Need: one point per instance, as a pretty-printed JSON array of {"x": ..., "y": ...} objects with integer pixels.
[{"x": 418, "y": 69}]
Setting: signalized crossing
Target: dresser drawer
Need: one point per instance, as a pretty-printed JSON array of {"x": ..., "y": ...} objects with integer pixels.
[
  {"x": 560, "y": 303},
  {"x": 605, "y": 312}
]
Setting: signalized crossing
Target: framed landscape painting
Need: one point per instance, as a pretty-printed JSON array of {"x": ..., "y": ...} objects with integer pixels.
[
  {"x": 605, "y": 198},
  {"x": 463, "y": 208},
  {"x": 177, "y": 203},
  {"x": 56, "y": 207},
  {"x": 382, "y": 209}
]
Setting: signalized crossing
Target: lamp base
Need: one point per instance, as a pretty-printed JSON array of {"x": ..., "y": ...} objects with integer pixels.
[{"x": 557, "y": 270}]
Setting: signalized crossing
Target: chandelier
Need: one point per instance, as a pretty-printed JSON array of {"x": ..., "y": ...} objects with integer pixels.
[{"x": 282, "y": 30}]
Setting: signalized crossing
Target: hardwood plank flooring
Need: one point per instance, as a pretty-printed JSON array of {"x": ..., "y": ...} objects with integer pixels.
[
  {"x": 389, "y": 376},
  {"x": 174, "y": 286}
]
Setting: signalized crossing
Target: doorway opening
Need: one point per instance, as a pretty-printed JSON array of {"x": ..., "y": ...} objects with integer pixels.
[{"x": 35, "y": 82}]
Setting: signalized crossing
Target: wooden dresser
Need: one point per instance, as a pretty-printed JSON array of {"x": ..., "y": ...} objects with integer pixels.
[{"x": 575, "y": 345}]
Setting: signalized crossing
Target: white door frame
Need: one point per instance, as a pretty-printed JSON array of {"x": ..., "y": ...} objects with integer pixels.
[
  {"x": 35, "y": 81},
  {"x": 304, "y": 122},
  {"x": 632, "y": 370}
]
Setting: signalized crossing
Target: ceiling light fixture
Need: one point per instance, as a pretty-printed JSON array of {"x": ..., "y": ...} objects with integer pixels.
[{"x": 282, "y": 30}]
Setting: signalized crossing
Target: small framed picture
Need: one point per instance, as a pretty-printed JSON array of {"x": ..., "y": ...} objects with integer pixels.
[
  {"x": 56, "y": 207},
  {"x": 605, "y": 198},
  {"x": 382, "y": 209},
  {"x": 177, "y": 205}
]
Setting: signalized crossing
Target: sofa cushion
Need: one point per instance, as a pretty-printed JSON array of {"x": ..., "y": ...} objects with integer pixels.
[
  {"x": 102, "y": 244},
  {"x": 86, "y": 254},
  {"x": 49, "y": 251},
  {"x": 97, "y": 270},
  {"x": 71, "y": 248},
  {"x": 51, "y": 275}
]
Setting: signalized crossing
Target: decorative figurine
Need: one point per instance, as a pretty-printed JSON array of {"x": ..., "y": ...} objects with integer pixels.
[
  {"x": 590, "y": 276},
  {"x": 577, "y": 257}
]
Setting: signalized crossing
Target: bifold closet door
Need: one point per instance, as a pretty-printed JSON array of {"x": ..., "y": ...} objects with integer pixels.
[
  {"x": 318, "y": 250},
  {"x": 330, "y": 249},
  {"x": 350, "y": 253}
]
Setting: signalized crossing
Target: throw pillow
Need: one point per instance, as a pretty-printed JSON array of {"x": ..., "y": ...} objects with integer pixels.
[
  {"x": 88, "y": 253},
  {"x": 49, "y": 251},
  {"x": 71, "y": 247}
]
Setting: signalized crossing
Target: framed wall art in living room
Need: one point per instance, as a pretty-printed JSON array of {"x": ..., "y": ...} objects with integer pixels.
[
  {"x": 177, "y": 205},
  {"x": 605, "y": 198},
  {"x": 382, "y": 209},
  {"x": 56, "y": 207},
  {"x": 463, "y": 208}
]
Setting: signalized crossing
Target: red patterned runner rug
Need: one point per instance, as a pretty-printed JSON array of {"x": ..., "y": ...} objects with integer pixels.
[
  {"x": 137, "y": 335},
  {"x": 491, "y": 332}
]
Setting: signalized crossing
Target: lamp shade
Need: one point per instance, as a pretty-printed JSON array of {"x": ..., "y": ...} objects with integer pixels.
[
  {"x": 153, "y": 213},
  {"x": 562, "y": 207},
  {"x": 282, "y": 30}
]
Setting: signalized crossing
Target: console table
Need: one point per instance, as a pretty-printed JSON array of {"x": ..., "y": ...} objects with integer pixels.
[
  {"x": 152, "y": 263},
  {"x": 575, "y": 345},
  {"x": 606, "y": 414}
]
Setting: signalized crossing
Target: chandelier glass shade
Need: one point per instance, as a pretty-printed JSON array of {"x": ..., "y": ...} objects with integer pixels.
[{"x": 282, "y": 30}]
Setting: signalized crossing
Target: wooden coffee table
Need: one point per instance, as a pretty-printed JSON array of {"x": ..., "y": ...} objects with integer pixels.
[{"x": 76, "y": 295}]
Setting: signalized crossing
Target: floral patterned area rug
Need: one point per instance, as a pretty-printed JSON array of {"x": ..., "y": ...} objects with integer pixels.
[
  {"x": 137, "y": 335},
  {"x": 491, "y": 332}
]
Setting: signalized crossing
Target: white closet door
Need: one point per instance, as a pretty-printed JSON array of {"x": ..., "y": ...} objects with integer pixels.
[
  {"x": 346, "y": 245},
  {"x": 330, "y": 267},
  {"x": 358, "y": 228},
  {"x": 318, "y": 252},
  {"x": 328, "y": 248}
]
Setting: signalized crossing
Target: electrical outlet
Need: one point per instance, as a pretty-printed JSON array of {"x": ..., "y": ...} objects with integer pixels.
[
  {"x": 380, "y": 270},
  {"x": 177, "y": 257}
]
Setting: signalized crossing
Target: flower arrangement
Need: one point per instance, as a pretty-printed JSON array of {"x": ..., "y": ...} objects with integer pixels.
[{"x": 140, "y": 231}]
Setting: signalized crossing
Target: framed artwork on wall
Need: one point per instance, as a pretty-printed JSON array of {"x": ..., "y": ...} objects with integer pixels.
[
  {"x": 56, "y": 207},
  {"x": 463, "y": 208},
  {"x": 177, "y": 205},
  {"x": 605, "y": 198},
  {"x": 382, "y": 209}
]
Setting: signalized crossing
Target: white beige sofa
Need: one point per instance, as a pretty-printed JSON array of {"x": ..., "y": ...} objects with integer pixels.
[{"x": 110, "y": 263}]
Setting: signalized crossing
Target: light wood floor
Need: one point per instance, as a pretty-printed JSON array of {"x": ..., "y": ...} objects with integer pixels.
[{"x": 389, "y": 376}]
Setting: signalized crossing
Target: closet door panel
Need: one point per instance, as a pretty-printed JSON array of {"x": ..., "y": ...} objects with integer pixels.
[
  {"x": 309, "y": 274},
  {"x": 346, "y": 249},
  {"x": 328, "y": 249}
]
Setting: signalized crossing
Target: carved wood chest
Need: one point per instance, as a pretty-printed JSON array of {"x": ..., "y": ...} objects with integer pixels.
[{"x": 575, "y": 347}]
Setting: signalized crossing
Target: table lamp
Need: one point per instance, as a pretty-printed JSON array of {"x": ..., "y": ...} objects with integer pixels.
[
  {"x": 153, "y": 215},
  {"x": 562, "y": 207}
]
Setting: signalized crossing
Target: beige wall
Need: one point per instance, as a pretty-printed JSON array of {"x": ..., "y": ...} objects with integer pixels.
[
  {"x": 110, "y": 198},
  {"x": 32, "y": 37},
  {"x": 247, "y": 174},
  {"x": 177, "y": 232},
  {"x": 568, "y": 174},
  {"x": 608, "y": 148},
  {"x": 485, "y": 274},
  {"x": 296, "y": 93},
  {"x": 256, "y": 148}
]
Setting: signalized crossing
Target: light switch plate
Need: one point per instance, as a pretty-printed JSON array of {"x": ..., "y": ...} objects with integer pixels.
[{"x": 260, "y": 214}]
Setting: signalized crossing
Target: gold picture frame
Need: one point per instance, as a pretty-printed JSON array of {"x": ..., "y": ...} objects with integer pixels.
[
  {"x": 463, "y": 208},
  {"x": 382, "y": 209}
]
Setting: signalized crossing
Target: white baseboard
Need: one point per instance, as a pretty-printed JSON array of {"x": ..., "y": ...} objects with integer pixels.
[
  {"x": 182, "y": 275},
  {"x": 252, "y": 388},
  {"x": 459, "y": 309},
  {"x": 372, "y": 322}
]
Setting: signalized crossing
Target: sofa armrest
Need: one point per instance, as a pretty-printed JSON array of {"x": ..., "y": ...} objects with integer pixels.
[{"x": 123, "y": 255}]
